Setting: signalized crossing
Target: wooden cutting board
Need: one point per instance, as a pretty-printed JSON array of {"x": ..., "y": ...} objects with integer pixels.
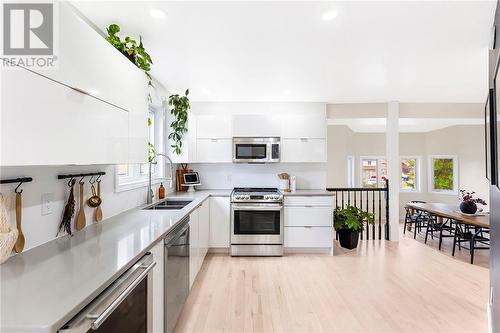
[{"x": 180, "y": 180}]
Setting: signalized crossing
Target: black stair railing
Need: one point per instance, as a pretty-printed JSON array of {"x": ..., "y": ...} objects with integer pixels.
[{"x": 373, "y": 200}]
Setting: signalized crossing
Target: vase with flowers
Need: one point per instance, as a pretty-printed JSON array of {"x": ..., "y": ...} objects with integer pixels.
[{"x": 469, "y": 202}]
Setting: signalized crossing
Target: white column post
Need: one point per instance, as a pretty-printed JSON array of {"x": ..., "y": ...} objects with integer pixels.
[{"x": 392, "y": 155}]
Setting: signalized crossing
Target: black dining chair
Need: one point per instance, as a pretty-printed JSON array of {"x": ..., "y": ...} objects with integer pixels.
[
  {"x": 415, "y": 218},
  {"x": 477, "y": 238},
  {"x": 436, "y": 225}
]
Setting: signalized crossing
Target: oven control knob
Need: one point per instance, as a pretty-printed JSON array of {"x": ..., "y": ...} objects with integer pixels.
[{"x": 247, "y": 197}]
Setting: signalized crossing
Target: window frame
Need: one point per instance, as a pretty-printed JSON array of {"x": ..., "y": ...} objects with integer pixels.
[
  {"x": 351, "y": 171},
  {"x": 135, "y": 179},
  {"x": 370, "y": 157},
  {"x": 430, "y": 175},
  {"x": 418, "y": 173}
]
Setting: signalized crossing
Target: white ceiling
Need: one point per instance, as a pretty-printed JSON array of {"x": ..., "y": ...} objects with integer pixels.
[
  {"x": 406, "y": 125},
  {"x": 369, "y": 51}
]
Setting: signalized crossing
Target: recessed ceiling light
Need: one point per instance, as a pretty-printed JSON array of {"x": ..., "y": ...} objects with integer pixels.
[
  {"x": 329, "y": 15},
  {"x": 157, "y": 13}
]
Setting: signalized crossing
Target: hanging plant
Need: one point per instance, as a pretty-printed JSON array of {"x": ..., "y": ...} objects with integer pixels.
[
  {"x": 134, "y": 52},
  {"x": 179, "y": 108}
]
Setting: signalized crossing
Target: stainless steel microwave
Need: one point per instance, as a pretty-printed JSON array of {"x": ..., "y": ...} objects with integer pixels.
[{"x": 256, "y": 150}]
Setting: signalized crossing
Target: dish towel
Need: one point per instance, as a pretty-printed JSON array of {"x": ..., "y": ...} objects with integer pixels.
[{"x": 8, "y": 234}]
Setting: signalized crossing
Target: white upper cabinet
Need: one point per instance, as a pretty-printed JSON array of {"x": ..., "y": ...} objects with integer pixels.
[
  {"x": 97, "y": 68},
  {"x": 249, "y": 125},
  {"x": 59, "y": 125},
  {"x": 303, "y": 150},
  {"x": 213, "y": 126},
  {"x": 91, "y": 109},
  {"x": 311, "y": 126},
  {"x": 214, "y": 150}
]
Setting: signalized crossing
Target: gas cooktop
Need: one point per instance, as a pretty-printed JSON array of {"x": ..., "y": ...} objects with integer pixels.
[{"x": 256, "y": 194}]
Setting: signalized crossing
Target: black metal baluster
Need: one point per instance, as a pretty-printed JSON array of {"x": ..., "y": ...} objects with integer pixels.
[
  {"x": 387, "y": 210},
  {"x": 379, "y": 217}
]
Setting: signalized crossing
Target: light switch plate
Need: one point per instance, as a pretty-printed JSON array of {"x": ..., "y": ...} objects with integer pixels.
[{"x": 47, "y": 199}]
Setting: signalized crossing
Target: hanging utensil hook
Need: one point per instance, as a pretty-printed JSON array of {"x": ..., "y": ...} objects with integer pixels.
[
  {"x": 81, "y": 180},
  {"x": 91, "y": 181},
  {"x": 21, "y": 191},
  {"x": 70, "y": 182},
  {"x": 98, "y": 178}
]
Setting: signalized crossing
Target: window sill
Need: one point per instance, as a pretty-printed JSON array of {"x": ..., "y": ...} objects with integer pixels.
[
  {"x": 444, "y": 192},
  {"x": 137, "y": 184}
]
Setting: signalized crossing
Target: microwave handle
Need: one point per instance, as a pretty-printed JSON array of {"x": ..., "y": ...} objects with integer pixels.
[{"x": 100, "y": 318}]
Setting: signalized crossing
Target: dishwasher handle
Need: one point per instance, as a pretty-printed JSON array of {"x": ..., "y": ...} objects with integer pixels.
[{"x": 100, "y": 318}]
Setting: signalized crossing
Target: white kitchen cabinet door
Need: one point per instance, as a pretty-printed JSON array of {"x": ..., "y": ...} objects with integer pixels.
[
  {"x": 220, "y": 220},
  {"x": 214, "y": 150},
  {"x": 257, "y": 125},
  {"x": 303, "y": 150},
  {"x": 311, "y": 237},
  {"x": 308, "y": 216},
  {"x": 194, "y": 246},
  {"x": 59, "y": 125},
  {"x": 99, "y": 69},
  {"x": 158, "y": 281},
  {"x": 311, "y": 126},
  {"x": 204, "y": 229},
  {"x": 213, "y": 126}
]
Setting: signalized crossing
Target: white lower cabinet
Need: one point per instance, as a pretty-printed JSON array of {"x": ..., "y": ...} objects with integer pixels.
[
  {"x": 199, "y": 234},
  {"x": 308, "y": 222},
  {"x": 311, "y": 237},
  {"x": 220, "y": 220},
  {"x": 158, "y": 283}
]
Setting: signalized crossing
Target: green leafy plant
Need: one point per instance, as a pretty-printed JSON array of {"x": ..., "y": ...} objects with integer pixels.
[
  {"x": 179, "y": 108},
  {"x": 351, "y": 218},
  {"x": 134, "y": 51}
]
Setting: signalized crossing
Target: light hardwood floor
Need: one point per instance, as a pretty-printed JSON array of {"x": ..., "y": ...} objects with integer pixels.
[{"x": 381, "y": 287}]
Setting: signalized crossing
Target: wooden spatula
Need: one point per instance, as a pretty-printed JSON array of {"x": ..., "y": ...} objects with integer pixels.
[
  {"x": 19, "y": 246},
  {"x": 98, "y": 211},
  {"x": 80, "y": 218}
]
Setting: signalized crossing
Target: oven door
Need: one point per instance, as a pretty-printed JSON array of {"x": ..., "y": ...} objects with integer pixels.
[
  {"x": 125, "y": 306},
  {"x": 256, "y": 224}
]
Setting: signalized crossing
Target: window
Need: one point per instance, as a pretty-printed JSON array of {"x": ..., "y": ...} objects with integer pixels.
[
  {"x": 443, "y": 174},
  {"x": 373, "y": 171},
  {"x": 410, "y": 177},
  {"x": 129, "y": 176}
]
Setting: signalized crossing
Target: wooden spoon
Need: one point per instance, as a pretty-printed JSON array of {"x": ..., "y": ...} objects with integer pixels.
[
  {"x": 19, "y": 246},
  {"x": 80, "y": 218},
  {"x": 98, "y": 210}
]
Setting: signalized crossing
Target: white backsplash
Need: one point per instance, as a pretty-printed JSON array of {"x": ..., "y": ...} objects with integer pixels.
[
  {"x": 38, "y": 228},
  {"x": 229, "y": 175}
]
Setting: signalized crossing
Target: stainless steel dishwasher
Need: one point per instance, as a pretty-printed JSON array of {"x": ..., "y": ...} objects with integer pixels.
[{"x": 176, "y": 273}]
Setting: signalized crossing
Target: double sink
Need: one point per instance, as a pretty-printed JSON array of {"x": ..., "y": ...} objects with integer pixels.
[{"x": 170, "y": 205}]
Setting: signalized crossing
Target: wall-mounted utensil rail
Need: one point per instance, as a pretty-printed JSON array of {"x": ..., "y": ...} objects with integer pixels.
[
  {"x": 19, "y": 180},
  {"x": 77, "y": 175}
]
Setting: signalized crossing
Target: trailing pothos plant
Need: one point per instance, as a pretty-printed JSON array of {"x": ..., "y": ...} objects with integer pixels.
[
  {"x": 134, "y": 51},
  {"x": 179, "y": 108}
]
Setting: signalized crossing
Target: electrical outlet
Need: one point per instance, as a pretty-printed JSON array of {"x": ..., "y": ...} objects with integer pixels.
[{"x": 47, "y": 199}]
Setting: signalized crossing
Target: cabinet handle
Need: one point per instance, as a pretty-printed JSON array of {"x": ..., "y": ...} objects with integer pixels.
[
  {"x": 304, "y": 139},
  {"x": 80, "y": 90},
  {"x": 214, "y": 140},
  {"x": 308, "y": 206},
  {"x": 308, "y": 227}
]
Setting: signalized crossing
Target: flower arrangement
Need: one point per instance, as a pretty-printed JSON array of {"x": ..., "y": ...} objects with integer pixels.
[{"x": 468, "y": 197}]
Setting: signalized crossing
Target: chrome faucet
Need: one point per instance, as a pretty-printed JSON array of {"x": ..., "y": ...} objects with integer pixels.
[{"x": 151, "y": 194}]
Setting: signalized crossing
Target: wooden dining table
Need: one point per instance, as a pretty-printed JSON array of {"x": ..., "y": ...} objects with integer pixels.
[{"x": 449, "y": 211}]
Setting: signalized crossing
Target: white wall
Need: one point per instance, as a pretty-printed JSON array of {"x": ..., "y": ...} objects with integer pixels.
[{"x": 229, "y": 175}]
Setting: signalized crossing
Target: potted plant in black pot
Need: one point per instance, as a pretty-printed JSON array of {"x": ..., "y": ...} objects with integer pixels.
[
  {"x": 469, "y": 203},
  {"x": 349, "y": 222}
]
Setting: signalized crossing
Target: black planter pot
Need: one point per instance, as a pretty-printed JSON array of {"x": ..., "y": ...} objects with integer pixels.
[
  {"x": 468, "y": 207},
  {"x": 348, "y": 238}
]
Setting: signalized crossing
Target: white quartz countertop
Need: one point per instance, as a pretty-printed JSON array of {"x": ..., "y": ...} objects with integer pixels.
[
  {"x": 41, "y": 289},
  {"x": 309, "y": 193}
]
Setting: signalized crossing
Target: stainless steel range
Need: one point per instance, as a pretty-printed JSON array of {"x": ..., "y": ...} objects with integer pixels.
[{"x": 256, "y": 222}]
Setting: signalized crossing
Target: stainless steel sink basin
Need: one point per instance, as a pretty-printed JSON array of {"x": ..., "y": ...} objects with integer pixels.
[{"x": 170, "y": 205}]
